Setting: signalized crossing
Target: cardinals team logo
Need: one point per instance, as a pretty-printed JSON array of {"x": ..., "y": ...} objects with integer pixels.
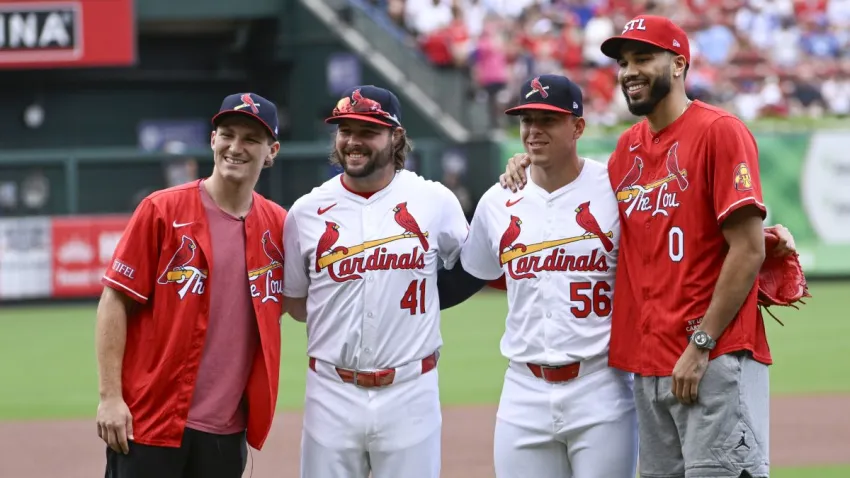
[
  {"x": 273, "y": 287},
  {"x": 637, "y": 195},
  {"x": 248, "y": 102},
  {"x": 743, "y": 181},
  {"x": 357, "y": 103},
  {"x": 180, "y": 270},
  {"x": 522, "y": 265},
  {"x": 351, "y": 261},
  {"x": 537, "y": 87}
]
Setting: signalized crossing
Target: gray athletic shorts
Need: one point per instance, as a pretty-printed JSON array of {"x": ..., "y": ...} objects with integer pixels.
[{"x": 725, "y": 433}]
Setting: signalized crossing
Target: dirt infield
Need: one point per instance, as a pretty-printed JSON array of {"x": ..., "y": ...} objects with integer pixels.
[{"x": 804, "y": 431}]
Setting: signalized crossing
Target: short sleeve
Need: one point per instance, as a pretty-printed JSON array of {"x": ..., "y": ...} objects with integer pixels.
[
  {"x": 136, "y": 257},
  {"x": 453, "y": 229},
  {"x": 295, "y": 277},
  {"x": 735, "y": 178},
  {"x": 478, "y": 256}
]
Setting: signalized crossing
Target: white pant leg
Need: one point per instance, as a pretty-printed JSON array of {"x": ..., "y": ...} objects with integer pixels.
[
  {"x": 525, "y": 443},
  {"x": 356, "y": 426},
  {"x": 606, "y": 450},
  {"x": 421, "y": 460},
  {"x": 600, "y": 425},
  {"x": 319, "y": 461},
  {"x": 522, "y": 453},
  {"x": 336, "y": 421}
]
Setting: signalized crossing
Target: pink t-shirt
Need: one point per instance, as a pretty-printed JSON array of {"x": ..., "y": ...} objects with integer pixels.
[{"x": 232, "y": 334}]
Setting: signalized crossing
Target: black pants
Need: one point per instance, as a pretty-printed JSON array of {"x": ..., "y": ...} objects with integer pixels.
[{"x": 200, "y": 455}]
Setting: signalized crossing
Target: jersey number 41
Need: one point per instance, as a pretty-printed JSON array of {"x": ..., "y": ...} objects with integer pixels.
[{"x": 414, "y": 297}]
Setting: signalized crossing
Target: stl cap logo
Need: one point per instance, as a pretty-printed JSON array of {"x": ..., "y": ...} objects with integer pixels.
[
  {"x": 537, "y": 87},
  {"x": 248, "y": 102},
  {"x": 743, "y": 181}
]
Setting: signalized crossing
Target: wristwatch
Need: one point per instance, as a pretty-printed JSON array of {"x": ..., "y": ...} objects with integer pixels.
[{"x": 703, "y": 341}]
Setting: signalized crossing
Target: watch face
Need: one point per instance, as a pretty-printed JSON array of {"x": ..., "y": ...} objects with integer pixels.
[{"x": 700, "y": 339}]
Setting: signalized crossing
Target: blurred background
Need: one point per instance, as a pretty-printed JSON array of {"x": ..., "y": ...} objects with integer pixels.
[{"x": 105, "y": 101}]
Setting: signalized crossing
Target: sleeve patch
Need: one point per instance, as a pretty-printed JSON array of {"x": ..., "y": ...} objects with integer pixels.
[{"x": 742, "y": 179}]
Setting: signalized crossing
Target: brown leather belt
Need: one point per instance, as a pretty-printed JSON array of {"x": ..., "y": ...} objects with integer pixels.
[
  {"x": 555, "y": 374},
  {"x": 377, "y": 378}
]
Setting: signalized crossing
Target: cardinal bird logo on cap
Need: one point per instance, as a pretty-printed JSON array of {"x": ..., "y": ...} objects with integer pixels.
[
  {"x": 537, "y": 87},
  {"x": 248, "y": 102}
]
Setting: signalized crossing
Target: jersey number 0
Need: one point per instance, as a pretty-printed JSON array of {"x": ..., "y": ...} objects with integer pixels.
[{"x": 676, "y": 244}]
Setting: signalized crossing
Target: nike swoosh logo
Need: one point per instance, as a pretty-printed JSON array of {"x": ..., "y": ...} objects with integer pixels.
[
  {"x": 510, "y": 203},
  {"x": 324, "y": 210},
  {"x": 177, "y": 224},
  {"x": 634, "y": 147}
]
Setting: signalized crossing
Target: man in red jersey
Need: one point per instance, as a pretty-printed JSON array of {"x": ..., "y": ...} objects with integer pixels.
[
  {"x": 188, "y": 336},
  {"x": 686, "y": 318},
  {"x": 685, "y": 314}
]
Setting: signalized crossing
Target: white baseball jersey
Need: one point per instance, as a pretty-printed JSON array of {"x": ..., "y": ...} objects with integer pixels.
[
  {"x": 368, "y": 268},
  {"x": 559, "y": 273}
]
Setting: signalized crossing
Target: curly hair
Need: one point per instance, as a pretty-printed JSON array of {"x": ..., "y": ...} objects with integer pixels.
[{"x": 400, "y": 149}]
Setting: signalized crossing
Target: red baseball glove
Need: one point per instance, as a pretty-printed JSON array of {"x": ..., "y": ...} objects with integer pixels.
[{"x": 781, "y": 278}]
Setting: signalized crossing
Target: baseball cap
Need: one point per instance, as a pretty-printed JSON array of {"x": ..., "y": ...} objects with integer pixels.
[
  {"x": 651, "y": 29},
  {"x": 550, "y": 93},
  {"x": 251, "y": 105},
  {"x": 368, "y": 103}
]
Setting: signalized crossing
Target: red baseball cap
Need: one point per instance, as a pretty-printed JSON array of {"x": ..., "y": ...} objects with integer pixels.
[{"x": 651, "y": 29}]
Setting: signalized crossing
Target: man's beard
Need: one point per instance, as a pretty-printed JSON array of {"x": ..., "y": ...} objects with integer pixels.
[
  {"x": 659, "y": 90},
  {"x": 376, "y": 161}
]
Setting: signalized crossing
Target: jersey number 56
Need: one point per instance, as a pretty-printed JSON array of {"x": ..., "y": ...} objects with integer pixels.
[{"x": 591, "y": 297}]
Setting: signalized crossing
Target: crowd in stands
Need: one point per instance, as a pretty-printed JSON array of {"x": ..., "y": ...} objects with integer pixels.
[{"x": 757, "y": 58}]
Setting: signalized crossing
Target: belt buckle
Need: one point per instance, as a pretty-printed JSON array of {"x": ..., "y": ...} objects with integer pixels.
[{"x": 543, "y": 369}]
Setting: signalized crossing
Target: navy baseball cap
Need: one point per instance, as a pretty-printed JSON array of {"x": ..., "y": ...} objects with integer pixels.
[
  {"x": 368, "y": 103},
  {"x": 251, "y": 105},
  {"x": 551, "y": 93}
]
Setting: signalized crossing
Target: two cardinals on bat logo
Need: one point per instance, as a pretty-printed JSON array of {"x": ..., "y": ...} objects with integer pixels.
[
  {"x": 350, "y": 261},
  {"x": 522, "y": 264},
  {"x": 637, "y": 194}
]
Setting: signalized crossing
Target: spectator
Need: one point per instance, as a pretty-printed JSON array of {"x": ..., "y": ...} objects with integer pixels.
[
  {"x": 820, "y": 41},
  {"x": 758, "y": 57},
  {"x": 715, "y": 41},
  {"x": 490, "y": 68},
  {"x": 426, "y": 16},
  {"x": 597, "y": 30},
  {"x": 836, "y": 91}
]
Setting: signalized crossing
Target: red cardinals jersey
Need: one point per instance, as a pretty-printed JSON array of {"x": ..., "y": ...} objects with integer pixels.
[
  {"x": 558, "y": 252},
  {"x": 164, "y": 261},
  {"x": 675, "y": 188}
]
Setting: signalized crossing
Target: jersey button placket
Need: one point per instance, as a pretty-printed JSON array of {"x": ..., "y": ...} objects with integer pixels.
[{"x": 369, "y": 326}]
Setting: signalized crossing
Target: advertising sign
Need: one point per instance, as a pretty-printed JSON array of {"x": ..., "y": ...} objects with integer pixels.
[
  {"x": 53, "y": 34},
  {"x": 25, "y": 250},
  {"x": 82, "y": 250}
]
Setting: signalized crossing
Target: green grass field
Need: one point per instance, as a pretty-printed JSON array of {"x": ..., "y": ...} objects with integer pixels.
[{"x": 49, "y": 369}]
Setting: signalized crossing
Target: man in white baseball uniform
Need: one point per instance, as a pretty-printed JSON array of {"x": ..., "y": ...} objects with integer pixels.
[
  {"x": 362, "y": 253},
  {"x": 563, "y": 412}
]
